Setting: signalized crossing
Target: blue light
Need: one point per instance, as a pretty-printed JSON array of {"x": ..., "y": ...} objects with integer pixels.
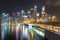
[
  {"x": 3, "y": 13},
  {"x": 5, "y": 32},
  {"x": 35, "y": 6}
]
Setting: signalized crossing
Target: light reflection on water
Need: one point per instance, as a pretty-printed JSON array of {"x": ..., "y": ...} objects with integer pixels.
[{"x": 16, "y": 28}]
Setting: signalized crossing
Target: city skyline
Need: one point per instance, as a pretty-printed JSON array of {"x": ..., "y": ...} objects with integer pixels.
[
  {"x": 9, "y": 6},
  {"x": 29, "y": 19}
]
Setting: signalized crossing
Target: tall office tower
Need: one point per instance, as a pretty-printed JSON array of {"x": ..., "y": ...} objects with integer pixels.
[
  {"x": 7, "y": 18},
  {"x": 3, "y": 18},
  {"x": 37, "y": 17},
  {"x": 34, "y": 13},
  {"x": 50, "y": 18},
  {"x": 46, "y": 18},
  {"x": 44, "y": 15},
  {"x": 43, "y": 12},
  {"x": 18, "y": 16},
  {"x": 29, "y": 14},
  {"x": 14, "y": 16},
  {"x": 21, "y": 15}
]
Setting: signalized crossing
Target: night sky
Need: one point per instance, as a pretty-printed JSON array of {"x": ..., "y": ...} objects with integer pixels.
[
  {"x": 53, "y": 7},
  {"x": 17, "y": 5}
]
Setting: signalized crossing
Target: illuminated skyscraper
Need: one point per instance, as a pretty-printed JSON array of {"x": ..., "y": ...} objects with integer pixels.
[
  {"x": 37, "y": 17},
  {"x": 44, "y": 15},
  {"x": 3, "y": 18},
  {"x": 7, "y": 18},
  {"x": 21, "y": 15},
  {"x": 29, "y": 14},
  {"x": 34, "y": 13},
  {"x": 18, "y": 16},
  {"x": 43, "y": 12}
]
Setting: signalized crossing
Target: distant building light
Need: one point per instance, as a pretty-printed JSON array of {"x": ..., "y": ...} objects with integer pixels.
[
  {"x": 28, "y": 12},
  {"x": 49, "y": 17},
  {"x": 25, "y": 16},
  {"x": 22, "y": 10},
  {"x": 35, "y": 6},
  {"x": 53, "y": 16},
  {"x": 31, "y": 9},
  {"x": 37, "y": 14},
  {"x": 7, "y": 14},
  {"x": 18, "y": 12},
  {"x": 43, "y": 8},
  {"x": 3, "y": 13},
  {"x": 43, "y": 13}
]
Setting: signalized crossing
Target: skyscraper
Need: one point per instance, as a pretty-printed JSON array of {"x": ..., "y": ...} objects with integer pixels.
[
  {"x": 29, "y": 14},
  {"x": 18, "y": 16},
  {"x": 43, "y": 12},
  {"x": 34, "y": 13},
  {"x": 21, "y": 15},
  {"x": 37, "y": 17},
  {"x": 44, "y": 15}
]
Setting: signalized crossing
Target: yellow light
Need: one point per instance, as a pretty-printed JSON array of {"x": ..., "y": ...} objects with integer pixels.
[
  {"x": 31, "y": 9},
  {"x": 20, "y": 29},
  {"x": 32, "y": 36},
  {"x": 12, "y": 29},
  {"x": 53, "y": 17},
  {"x": 49, "y": 17},
  {"x": 37, "y": 14}
]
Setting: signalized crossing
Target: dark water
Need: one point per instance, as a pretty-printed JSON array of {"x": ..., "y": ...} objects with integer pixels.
[{"x": 12, "y": 35}]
